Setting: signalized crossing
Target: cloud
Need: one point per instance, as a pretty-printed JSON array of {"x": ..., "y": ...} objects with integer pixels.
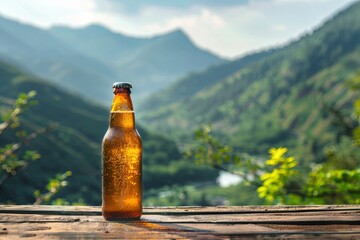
[
  {"x": 279, "y": 27},
  {"x": 133, "y": 7},
  {"x": 43, "y": 13},
  {"x": 197, "y": 18},
  {"x": 230, "y": 28},
  {"x": 297, "y": 1}
]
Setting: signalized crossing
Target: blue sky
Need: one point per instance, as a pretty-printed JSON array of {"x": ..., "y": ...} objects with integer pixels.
[{"x": 230, "y": 28}]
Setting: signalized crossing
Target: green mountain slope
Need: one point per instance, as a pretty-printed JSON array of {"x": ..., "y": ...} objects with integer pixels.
[
  {"x": 278, "y": 99},
  {"x": 75, "y": 145},
  {"x": 195, "y": 82}
]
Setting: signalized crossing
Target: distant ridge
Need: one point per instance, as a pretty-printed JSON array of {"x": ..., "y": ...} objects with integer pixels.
[
  {"x": 150, "y": 63},
  {"x": 88, "y": 60}
]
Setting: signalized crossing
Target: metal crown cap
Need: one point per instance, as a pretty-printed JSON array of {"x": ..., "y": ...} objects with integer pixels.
[{"x": 122, "y": 85}]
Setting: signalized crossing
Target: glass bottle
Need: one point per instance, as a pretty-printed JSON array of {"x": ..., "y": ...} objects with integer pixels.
[{"x": 121, "y": 160}]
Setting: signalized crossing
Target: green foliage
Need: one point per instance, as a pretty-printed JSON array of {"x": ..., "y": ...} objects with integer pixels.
[
  {"x": 337, "y": 181},
  {"x": 10, "y": 160},
  {"x": 355, "y": 85},
  {"x": 333, "y": 186},
  {"x": 274, "y": 182},
  {"x": 324, "y": 184},
  {"x": 10, "y": 119},
  {"x": 12, "y": 163},
  {"x": 280, "y": 180},
  {"x": 209, "y": 150},
  {"x": 334, "y": 182},
  {"x": 203, "y": 195},
  {"x": 53, "y": 187}
]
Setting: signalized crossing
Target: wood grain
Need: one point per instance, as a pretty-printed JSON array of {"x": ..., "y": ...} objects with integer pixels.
[{"x": 83, "y": 222}]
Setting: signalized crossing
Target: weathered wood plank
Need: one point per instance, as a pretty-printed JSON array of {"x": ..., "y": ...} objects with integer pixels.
[
  {"x": 311, "y": 219},
  {"x": 133, "y": 229},
  {"x": 193, "y": 210},
  {"x": 330, "y": 217},
  {"x": 143, "y": 230},
  {"x": 51, "y": 209},
  {"x": 285, "y": 222}
]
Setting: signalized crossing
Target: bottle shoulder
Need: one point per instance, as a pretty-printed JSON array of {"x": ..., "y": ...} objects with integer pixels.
[{"x": 116, "y": 134}]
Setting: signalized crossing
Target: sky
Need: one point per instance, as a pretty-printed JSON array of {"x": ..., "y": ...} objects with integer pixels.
[{"x": 229, "y": 28}]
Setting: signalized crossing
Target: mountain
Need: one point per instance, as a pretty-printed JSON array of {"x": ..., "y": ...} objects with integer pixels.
[
  {"x": 275, "y": 100},
  {"x": 99, "y": 42},
  {"x": 75, "y": 145},
  {"x": 38, "y": 51},
  {"x": 149, "y": 63},
  {"x": 88, "y": 60}
]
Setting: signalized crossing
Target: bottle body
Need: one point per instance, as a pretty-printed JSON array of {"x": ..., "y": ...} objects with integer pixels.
[{"x": 122, "y": 163}]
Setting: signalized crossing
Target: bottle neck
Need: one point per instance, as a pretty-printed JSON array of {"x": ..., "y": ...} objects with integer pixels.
[{"x": 122, "y": 112}]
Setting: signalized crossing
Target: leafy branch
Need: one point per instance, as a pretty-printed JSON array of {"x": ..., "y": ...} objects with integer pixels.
[
  {"x": 11, "y": 161},
  {"x": 273, "y": 188},
  {"x": 53, "y": 187},
  {"x": 210, "y": 151},
  {"x": 279, "y": 178},
  {"x": 23, "y": 101}
]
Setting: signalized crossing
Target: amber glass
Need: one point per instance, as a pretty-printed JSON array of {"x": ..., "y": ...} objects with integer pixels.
[{"x": 121, "y": 162}]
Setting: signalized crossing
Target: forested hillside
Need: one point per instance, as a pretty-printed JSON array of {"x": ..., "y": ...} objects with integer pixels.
[
  {"x": 284, "y": 98},
  {"x": 76, "y": 145},
  {"x": 197, "y": 81}
]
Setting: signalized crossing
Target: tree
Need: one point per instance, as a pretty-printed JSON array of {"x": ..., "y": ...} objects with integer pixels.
[
  {"x": 209, "y": 150},
  {"x": 14, "y": 156},
  {"x": 278, "y": 180},
  {"x": 273, "y": 187},
  {"x": 324, "y": 184}
]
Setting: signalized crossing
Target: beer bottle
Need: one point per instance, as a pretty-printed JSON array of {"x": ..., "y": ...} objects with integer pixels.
[{"x": 121, "y": 160}]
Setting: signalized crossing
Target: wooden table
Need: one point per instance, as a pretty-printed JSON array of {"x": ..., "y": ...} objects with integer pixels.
[{"x": 70, "y": 222}]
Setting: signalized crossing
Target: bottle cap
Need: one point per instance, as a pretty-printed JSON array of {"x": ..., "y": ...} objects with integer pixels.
[{"x": 122, "y": 85}]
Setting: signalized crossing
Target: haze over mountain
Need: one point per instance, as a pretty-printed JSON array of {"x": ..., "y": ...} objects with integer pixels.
[
  {"x": 149, "y": 63},
  {"x": 276, "y": 99},
  {"x": 90, "y": 59}
]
